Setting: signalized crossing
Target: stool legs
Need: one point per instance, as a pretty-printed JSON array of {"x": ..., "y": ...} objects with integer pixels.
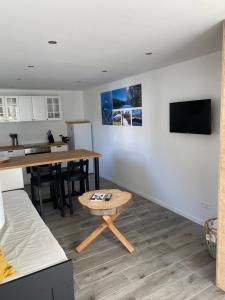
[
  {"x": 40, "y": 202},
  {"x": 118, "y": 234},
  {"x": 108, "y": 222},
  {"x": 70, "y": 197}
]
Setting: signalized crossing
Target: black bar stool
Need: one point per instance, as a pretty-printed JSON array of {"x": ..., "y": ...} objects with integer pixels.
[
  {"x": 43, "y": 176},
  {"x": 76, "y": 171}
]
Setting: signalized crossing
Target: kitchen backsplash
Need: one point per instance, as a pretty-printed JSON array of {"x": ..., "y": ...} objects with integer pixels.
[{"x": 31, "y": 132}]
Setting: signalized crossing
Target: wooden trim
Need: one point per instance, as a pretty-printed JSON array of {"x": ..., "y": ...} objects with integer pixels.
[
  {"x": 220, "y": 262},
  {"x": 77, "y": 122}
]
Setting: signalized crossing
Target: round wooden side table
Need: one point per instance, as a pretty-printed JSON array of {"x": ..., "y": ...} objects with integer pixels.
[{"x": 109, "y": 212}]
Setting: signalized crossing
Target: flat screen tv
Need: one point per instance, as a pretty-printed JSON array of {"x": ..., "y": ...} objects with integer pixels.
[{"x": 191, "y": 116}]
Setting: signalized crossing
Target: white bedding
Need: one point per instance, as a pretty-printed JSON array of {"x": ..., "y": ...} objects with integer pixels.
[{"x": 27, "y": 242}]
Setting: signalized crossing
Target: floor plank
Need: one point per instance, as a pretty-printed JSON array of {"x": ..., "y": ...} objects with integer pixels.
[{"x": 170, "y": 261}]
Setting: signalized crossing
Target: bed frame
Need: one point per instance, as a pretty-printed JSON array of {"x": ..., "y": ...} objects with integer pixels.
[{"x": 53, "y": 283}]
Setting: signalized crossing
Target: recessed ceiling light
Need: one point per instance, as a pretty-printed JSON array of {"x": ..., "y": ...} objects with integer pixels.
[
  {"x": 18, "y": 78},
  {"x": 148, "y": 53},
  {"x": 30, "y": 66},
  {"x": 104, "y": 71},
  {"x": 52, "y": 42}
]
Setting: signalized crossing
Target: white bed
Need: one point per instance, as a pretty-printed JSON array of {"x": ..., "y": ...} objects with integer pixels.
[{"x": 27, "y": 242}]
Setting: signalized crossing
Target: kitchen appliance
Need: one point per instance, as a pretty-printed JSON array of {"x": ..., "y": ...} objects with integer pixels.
[
  {"x": 38, "y": 150},
  {"x": 65, "y": 139},
  {"x": 80, "y": 137},
  {"x": 50, "y": 137},
  {"x": 14, "y": 137}
]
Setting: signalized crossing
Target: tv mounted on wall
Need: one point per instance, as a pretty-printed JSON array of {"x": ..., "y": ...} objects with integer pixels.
[{"x": 191, "y": 116}]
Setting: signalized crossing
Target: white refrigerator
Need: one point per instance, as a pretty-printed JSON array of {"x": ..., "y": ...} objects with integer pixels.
[{"x": 80, "y": 135}]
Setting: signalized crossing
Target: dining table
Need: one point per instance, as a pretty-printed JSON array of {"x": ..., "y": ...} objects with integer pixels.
[{"x": 54, "y": 158}]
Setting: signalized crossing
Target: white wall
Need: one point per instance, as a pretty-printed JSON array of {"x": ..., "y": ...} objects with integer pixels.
[
  {"x": 29, "y": 132},
  {"x": 179, "y": 171}
]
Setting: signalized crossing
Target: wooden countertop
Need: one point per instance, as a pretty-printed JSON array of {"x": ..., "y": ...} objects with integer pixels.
[
  {"x": 77, "y": 122},
  {"x": 27, "y": 146},
  {"x": 47, "y": 158}
]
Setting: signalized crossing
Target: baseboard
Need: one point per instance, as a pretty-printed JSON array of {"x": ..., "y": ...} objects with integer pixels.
[{"x": 160, "y": 202}]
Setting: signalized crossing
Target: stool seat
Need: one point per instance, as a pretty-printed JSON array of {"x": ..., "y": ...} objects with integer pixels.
[
  {"x": 73, "y": 176},
  {"x": 45, "y": 179}
]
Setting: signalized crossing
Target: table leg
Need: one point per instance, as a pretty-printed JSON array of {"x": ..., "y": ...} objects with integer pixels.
[
  {"x": 108, "y": 222},
  {"x": 61, "y": 200},
  {"x": 96, "y": 163}
]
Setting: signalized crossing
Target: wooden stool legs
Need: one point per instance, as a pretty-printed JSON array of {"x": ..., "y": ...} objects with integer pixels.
[
  {"x": 108, "y": 222},
  {"x": 118, "y": 234}
]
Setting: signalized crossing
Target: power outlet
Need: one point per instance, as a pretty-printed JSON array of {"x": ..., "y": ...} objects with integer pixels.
[{"x": 205, "y": 205}]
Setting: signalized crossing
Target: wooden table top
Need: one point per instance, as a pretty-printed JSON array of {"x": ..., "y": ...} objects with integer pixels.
[
  {"x": 47, "y": 158},
  {"x": 119, "y": 199}
]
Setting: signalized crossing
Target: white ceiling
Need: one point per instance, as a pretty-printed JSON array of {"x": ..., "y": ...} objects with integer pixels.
[{"x": 96, "y": 35}]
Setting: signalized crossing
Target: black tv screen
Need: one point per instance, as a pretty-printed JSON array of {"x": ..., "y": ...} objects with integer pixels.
[{"x": 191, "y": 116}]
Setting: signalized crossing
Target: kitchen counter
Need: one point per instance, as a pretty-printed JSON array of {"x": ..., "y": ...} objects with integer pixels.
[
  {"x": 48, "y": 158},
  {"x": 28, "y": 146}
]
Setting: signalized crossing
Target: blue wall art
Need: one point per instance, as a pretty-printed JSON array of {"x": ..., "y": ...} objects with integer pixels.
[
  {"x": 122, "y": 106},
  {"x": 106, "y": 104}
]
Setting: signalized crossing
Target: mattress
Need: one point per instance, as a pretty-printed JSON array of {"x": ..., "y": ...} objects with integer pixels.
[{"x": 28, "y": 244}]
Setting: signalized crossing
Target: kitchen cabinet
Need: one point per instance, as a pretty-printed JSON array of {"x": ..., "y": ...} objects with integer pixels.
[
  {"x": 2, "y": 109},
  {"x": 12, "y": 179},
  {"x": 30, "y": 108},
  {"x": 39, "y": 108},
  {"x": 60, "y": 148},
  {"x": 13, "y": 153},
  {"x": 26, "y": 108},
  {"x": 54, "y": 111},
  {"x": 12, "y": 108}
]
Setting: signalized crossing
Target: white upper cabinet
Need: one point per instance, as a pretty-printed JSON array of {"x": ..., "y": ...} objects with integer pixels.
[
  {"x": 12, "y": 108},
  {"x": 54, "y": 111},
  {"x": 39, "y": 108},
  {"x": 2, "y": 109},
  {"x": 26, "y": 108},
  {"x": 30, "y": 108}
]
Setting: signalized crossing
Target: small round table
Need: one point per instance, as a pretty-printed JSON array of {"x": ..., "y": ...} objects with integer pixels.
[{"x": 109, "y": 212}]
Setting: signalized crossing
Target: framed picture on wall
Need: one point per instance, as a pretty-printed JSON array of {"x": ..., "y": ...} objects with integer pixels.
[
  {"x": 122, "y": 106},
  {"x": 134, "y": 96},
  {"x": 106, "y": 106},
  {"x": 126, "y": 118},
  {"x": 137, "y": 117},
  {"x": 117, "y": 117}
]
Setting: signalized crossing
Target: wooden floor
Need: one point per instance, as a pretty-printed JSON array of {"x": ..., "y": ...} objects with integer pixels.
[{"x": 170, "y": 259}]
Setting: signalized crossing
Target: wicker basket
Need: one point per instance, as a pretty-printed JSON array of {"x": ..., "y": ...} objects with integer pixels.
[{"x": 211, "y": 236}]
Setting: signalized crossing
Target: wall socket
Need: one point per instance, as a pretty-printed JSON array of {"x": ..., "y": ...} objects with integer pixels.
[{"x": 205, "y": 205}]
